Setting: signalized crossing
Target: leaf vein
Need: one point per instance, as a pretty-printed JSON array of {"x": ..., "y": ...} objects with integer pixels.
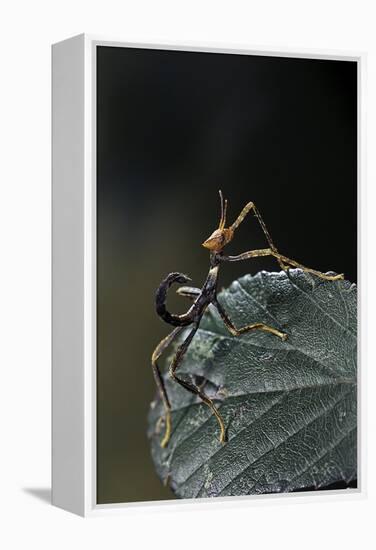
[
  {"x": 321, "y": 456},
  {"x": 315, "y": 303},
  {"x": 322, "y": 413}
]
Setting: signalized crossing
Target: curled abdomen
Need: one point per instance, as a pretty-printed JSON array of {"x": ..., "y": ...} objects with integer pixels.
[{"x": 160, "y": 301}]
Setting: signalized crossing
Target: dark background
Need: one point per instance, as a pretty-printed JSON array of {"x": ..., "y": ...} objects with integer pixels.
[{"x": 173, "y": 128}]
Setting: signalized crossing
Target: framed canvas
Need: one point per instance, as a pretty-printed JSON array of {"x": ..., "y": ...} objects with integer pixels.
[{"x": 244, "y": 384}]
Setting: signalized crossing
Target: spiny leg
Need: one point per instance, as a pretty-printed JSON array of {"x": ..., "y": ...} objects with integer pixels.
[
  {"x": 163, "y": 344},
  {"x": 254, "y": 326},
  {"x": 292, "y": 263},
  {"x": 190, "y": 387}
]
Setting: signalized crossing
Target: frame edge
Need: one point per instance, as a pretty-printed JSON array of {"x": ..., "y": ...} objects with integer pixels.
[{"x": 68, "y": 383}]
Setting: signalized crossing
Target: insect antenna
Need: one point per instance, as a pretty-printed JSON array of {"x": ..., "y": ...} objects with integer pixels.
[{"x": 222, "y": 221}]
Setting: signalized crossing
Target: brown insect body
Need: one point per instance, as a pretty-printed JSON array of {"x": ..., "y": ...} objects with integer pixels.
[{"x": 205, "y": 296}]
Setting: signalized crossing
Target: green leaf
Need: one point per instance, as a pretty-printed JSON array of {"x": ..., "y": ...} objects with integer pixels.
[{"x": 289, "y": 407}]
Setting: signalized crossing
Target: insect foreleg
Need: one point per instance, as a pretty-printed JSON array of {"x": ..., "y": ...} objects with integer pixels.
[
  {"x": 293, "y": 263},
  {"x": 283, "y": 261},
  {"x": 246, "y": 255},
  {"x": 246, "y": 210}
]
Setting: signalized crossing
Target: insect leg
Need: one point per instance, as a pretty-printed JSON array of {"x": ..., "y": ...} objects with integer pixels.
[
  {"x": 286, "y": 262},
  {"x": 189, "y": 292},
  {"x": 246, "y": 210},
  {"x": 293, "y": 263},
  {"x": 254, "y": 326},
  {"x": 163, "y": 344},
  {"x": 190, "y": 387},
  {"x": 283, "y": 261},
  {"x": 246, "y": 255},
  {"x": 255, "y": 254}
]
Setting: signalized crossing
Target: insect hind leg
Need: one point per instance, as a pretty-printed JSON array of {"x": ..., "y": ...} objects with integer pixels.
[
  {"x": 163, "y": 344},
  {"x": 190, "y": 387}
]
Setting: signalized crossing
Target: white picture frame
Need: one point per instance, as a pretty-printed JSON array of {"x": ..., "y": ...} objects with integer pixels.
[{"x": 74, "y": 276}]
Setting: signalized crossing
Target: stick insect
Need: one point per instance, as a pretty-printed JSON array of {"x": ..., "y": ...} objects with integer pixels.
[{"x": 201, "y": 300}]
